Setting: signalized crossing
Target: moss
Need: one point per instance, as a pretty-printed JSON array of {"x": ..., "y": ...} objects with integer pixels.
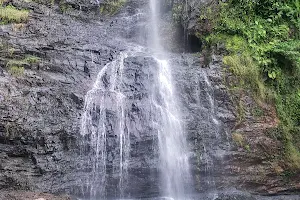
[
  {"x": 247, "y": 148},
  {"x": 14, "y": 62},
  {"x": 293, "y": 156},
  {"x": 257, "y": 112},
  {"x": 64, "y": 7},
  {"x": 111, "y": 7},
  {"x": 27, "y": 61},
  {"x": 11, "y": 51},
  {"x": 32, "y": 59},
  {"x": 10, "y": 14},
  {"x": 238, "y": 139},
  {"x": 16, "y": 70},
  {"x": 243, "y": 67}
]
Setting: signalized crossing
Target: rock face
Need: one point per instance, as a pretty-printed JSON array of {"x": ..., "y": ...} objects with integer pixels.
[
  {"x": 252, "y": 160},
  {"x": 41, "y": 110}
]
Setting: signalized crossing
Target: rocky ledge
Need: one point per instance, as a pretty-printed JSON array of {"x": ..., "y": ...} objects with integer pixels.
[{"x": 25, "y": 195}]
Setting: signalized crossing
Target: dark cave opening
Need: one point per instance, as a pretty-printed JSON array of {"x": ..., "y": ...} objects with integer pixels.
[{"x": 193, "y": 44}]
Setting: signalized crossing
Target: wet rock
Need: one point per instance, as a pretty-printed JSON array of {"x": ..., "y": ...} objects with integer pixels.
[
  {"x": 235, "y": 197},
  {"x": 40, "y": 111},
  {"x": 24, "y": 195}
]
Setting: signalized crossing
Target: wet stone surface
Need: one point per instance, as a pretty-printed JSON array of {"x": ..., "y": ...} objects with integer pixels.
[{"x": 41, "y": 111}]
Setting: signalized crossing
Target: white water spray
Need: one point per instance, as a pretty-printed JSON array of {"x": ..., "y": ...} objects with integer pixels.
[{"x": 174, "y": 163}]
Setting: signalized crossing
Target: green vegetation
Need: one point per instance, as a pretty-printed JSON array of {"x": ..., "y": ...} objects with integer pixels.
[
  {"x": 111, "y": 7},
  {"x": 16, "y": 66},
  {"x": 28, "y": 60},
  {"x": 238, "y": 139},
  {"x": 64, "y": 7},
  {"x": 31, "y": 59},
  {"x": 262, "y": 42},
  {"x": 10, "y": 14},
  {"x": 16, "y": 71}
]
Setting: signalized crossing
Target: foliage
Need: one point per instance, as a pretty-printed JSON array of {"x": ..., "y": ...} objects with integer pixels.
[
  {"x": 10, "y": 14},
  {"x": 64, "y": 7},
  {"x": 32, "y": 59},
  {"x": 247, "y": 72},
  {"x": 16, "y": 70},
  {"x": 14, "y": 62},
  {"x": 16, "y": 66},
  {"x": 111, "y": 7},
  {"x": 262, "y": 40},
  {"x": 240, "y": 141},
  {"x": 293, "y": 155},
  {"x": 28, "y": 60}
]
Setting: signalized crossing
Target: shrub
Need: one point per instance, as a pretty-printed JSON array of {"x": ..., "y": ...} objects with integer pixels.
[{"x": 262, "y": 39}]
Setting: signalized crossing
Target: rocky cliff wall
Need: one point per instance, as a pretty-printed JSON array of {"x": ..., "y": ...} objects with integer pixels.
[{"x": 40, "y": 109}]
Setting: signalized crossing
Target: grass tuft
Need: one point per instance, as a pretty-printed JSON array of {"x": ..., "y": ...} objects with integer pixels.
[
  {"x": 16, "y": 70},
  {"x": 112, "y": 7},
  {"x": 238, "y": 139},
  {"x": 244, "y": 68},
  {"x": 292, "y": 155},
  {"x": 10, "y": 14}
]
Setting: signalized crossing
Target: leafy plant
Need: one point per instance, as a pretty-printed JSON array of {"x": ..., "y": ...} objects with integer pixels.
[{"x": 263, "y": 52}]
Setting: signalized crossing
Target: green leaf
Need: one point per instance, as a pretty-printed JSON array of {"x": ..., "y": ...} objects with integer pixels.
[{"x": 272, "y": 75}]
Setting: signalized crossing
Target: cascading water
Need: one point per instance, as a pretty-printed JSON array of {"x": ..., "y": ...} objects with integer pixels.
[
  {"x": 113, "y": 115},
  {"x": 104, "y": 99},
  {"x": 172, "y": 142}
]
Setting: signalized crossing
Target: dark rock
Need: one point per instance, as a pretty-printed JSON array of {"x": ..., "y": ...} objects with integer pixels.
[{"x": 40, "y": 112}]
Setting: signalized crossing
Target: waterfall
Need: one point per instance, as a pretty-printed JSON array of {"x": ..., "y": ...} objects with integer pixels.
[
  {"x": 174, "y": 164},
  {"x": 106, "y": 98},
  {"x": 125, "y": 103},
  {"x": 172, "y": 143}
]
